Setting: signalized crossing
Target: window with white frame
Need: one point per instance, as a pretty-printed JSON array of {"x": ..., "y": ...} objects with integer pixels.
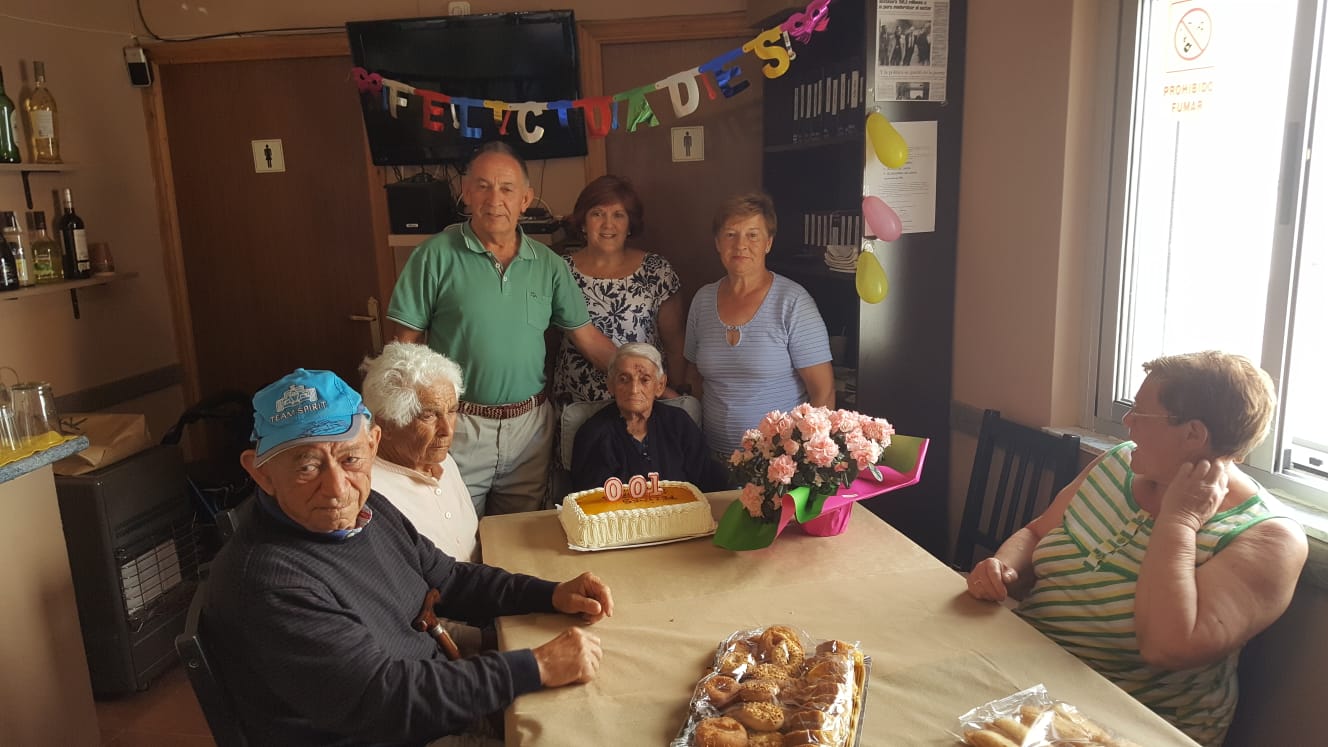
[{"x": 1218, "y": 224}]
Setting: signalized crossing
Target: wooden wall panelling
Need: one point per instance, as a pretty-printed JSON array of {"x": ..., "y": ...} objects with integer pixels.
[{"x": 593, "y": 35}]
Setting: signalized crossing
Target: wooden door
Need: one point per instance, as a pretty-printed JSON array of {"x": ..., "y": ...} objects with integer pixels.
[
  {"x": 275, "y": 264},
  {"x": 680, "y": 198}
]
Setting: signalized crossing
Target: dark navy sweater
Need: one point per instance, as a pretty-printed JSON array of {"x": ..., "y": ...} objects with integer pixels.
[{"x": 312, "y": 635}]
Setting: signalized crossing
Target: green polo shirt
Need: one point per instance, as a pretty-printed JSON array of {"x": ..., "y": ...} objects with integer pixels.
[{"x": 489, "y": 321}]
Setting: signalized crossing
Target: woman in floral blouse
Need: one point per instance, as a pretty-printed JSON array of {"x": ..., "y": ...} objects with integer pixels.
[{"x": 632, "y": 294}]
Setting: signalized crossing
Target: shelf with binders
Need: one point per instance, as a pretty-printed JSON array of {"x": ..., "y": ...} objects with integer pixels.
[
  {"x": 818, "y": 105},
  {"x": 821, "y": 100}
]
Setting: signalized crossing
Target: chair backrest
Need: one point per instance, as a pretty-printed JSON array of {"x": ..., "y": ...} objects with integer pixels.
[
  {"x": 218, "y": 708},
  {"x": 577, "y": 413},
  {"x": 1033, "y": 466}
]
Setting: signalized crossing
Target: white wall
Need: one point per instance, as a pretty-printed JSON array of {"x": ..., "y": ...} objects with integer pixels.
[{"x": 1030, "y": 210}]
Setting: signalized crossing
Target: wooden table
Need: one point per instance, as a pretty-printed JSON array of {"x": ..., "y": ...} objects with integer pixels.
[{"x": 936, "y": 652}]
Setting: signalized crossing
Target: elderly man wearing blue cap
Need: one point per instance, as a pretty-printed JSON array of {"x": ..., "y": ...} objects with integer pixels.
[{"x": 312, "y": 601}]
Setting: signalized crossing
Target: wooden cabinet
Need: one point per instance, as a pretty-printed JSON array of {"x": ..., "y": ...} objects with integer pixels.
[{"x": 897, "y": 355}]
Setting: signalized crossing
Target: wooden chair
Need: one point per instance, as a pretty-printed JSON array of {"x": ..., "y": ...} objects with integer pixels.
[
  {"x": 1033, "y": 467},
  {"x": 218, "y": 708}
]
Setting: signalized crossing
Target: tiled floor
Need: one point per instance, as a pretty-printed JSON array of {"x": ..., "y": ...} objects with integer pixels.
[{"x": 164, "y": 715}]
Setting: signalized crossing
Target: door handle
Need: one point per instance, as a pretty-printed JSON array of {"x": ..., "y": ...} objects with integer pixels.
[{"x": 375, "y": 328}]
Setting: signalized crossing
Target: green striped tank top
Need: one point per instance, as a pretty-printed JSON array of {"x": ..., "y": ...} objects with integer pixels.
[{"x": 1083, "y": 596}]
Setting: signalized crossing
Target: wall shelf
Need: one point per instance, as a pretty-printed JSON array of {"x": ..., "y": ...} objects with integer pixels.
[
  {"x": 65, "y": 285},
  {"x": 24, "y": 170},
  {"x": 18, "y": 168}
]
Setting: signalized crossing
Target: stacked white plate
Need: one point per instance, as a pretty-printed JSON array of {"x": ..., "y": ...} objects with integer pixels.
[{"x": 842, "y": 257}]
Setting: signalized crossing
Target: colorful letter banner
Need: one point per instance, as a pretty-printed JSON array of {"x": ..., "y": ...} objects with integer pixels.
[{"x": 722, "y": 75}]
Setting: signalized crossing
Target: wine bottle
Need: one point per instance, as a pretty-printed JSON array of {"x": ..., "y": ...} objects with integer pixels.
[
  {"x": 14, "y": 238},
  {"x": 73, "y": 240},
  {"x": 47, "y": 259},
  {"x": 8, "y": 144},
  {"x": 43, "y": 126},
  {"x": 8, "y": 270}
]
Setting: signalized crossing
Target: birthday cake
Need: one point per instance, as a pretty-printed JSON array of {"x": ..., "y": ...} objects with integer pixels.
[{"x": 664, "y": 510}]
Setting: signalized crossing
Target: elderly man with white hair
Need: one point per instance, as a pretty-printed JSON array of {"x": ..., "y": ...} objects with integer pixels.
[
  {"x": 630, "y": 436},
  {"x": 413, "y": 393}
]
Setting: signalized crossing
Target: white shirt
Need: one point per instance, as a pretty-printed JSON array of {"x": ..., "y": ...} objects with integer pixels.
[{"x": 440, "y": 509}]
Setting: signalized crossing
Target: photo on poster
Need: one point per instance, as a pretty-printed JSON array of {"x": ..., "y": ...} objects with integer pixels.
[
  {"x": 912, "y": 37},
  {"x": 904, "y": 42}
]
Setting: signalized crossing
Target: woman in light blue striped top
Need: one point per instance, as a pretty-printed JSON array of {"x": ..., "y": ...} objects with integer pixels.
[
  {"x": 755, "y": 340},
  {"x": 1163, "y": 558}
]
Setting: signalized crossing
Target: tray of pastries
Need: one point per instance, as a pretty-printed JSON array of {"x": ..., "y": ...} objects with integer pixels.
[{"x": 777, "y": 687}]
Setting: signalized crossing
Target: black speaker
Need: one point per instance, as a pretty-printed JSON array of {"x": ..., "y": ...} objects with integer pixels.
[
  {"x": 420, "y": 206},
  {"x": 140, "y": 71}
]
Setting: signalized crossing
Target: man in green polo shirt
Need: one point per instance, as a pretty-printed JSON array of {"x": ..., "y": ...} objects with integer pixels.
[{"x": 484, "y": 293}]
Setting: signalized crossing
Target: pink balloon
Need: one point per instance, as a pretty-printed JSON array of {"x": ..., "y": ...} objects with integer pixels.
[{"x": 881, "y": 219}]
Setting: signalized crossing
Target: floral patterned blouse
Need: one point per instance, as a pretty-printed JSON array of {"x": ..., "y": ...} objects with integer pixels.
[{"x": 625, "y": 310}]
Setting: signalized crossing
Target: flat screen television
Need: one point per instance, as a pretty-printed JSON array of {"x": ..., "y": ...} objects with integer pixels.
[{"x": 512, "y": 57}]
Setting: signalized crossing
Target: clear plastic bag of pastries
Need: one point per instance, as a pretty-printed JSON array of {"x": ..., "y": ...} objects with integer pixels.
[
  {"x": 778, "y": 687},
  {"x": 1032, "y": 718}
]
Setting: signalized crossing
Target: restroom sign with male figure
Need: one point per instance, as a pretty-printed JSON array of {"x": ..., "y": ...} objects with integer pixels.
[{"x": 688, "y": 143}]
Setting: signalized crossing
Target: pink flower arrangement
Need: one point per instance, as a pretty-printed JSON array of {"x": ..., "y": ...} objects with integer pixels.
[{"x": 814, "y": 447}]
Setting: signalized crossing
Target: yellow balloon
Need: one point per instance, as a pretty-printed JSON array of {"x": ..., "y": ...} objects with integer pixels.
[
  {"x": 886, "y": 141},
  {"x": 870, "y": 279}
]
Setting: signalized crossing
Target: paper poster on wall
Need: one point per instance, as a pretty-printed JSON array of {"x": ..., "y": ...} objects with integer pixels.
[
  {"x": 912, "y": 41},
  {"x": 911, "y": 188},
  {"x": 1189, "y": 59}
]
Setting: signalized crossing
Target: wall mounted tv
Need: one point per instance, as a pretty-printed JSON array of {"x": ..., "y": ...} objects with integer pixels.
[{"x": 511, "y": 57}]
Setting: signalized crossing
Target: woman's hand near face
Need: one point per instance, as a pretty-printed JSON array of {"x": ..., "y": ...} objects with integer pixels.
[{"x": 1196, "y": 492}]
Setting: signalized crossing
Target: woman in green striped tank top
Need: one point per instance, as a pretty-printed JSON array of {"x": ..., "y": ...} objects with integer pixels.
[{"x": 1163, "y": 558}]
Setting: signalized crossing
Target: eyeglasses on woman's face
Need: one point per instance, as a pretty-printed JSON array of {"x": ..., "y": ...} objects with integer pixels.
[{"x": 1133, "y": 413}]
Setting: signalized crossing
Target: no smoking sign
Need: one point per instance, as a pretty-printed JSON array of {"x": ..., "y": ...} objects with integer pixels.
[{"x": 1194, "y": 31}]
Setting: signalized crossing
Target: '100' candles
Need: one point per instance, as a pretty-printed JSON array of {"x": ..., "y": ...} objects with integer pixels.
[{"x": 637, "y": 487}]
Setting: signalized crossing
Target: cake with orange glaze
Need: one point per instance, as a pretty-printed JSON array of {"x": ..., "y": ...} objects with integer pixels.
[{"x": 593, "y": 521}]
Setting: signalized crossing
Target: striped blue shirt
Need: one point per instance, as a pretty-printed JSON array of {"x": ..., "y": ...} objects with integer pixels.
[{"x": 743, "y": 382}]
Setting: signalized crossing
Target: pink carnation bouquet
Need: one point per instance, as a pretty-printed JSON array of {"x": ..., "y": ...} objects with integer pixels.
[{"x": 813, "y": 447}]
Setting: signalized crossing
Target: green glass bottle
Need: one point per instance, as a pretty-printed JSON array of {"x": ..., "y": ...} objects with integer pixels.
[
  {"x": 8, "y": 143},
  {"x": 47, "y": 257}
]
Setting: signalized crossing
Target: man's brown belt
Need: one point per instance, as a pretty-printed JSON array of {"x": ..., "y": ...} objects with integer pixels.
[{"x": 503, "y": 412}]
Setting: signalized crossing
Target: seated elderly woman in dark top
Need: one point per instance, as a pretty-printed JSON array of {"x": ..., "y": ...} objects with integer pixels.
[{"x": 631, "y": 436}]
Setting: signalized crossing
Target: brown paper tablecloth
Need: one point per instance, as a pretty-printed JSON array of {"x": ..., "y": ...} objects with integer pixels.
[{"x": 936, "y": 652}]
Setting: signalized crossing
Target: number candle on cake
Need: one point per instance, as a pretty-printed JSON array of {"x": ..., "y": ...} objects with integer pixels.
[
  {"x": 636, "y": 487},
  {"x": 647, "y": 509}
]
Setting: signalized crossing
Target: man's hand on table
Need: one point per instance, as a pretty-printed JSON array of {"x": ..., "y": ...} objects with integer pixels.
[
  {"x": 586, "y": 596},
  {"x": 990, "y": 580},
  {"x": 573, "y": 656}
]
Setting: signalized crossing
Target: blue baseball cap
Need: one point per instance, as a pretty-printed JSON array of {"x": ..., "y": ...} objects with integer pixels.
[{"x": 305, "y": 407}]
